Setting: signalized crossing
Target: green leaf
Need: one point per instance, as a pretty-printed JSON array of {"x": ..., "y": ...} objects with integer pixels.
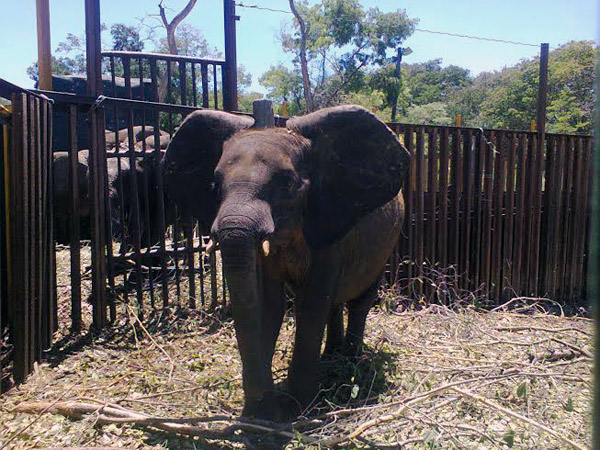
[
  {"x": 509, "y": 438},
  {"x": 522, "y": 390},
  {"x": 569, "y": 405}
]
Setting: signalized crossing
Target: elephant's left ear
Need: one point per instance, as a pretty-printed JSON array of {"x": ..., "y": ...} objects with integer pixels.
[{"x": 357, "y": 165}]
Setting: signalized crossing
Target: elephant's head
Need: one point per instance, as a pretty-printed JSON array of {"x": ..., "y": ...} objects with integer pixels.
[{"x": 314, "y": 179}]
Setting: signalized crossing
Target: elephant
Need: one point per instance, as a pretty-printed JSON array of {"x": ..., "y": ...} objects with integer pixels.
[
  {"x": 315, "y": 208},
  {"x": 122, "y": 136},
  {"x": 62, "y": 195},
  {"x": 120, "y": 197}
]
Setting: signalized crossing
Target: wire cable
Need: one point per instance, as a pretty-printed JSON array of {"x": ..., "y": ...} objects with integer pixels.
[{"x": 422, "y": 30}]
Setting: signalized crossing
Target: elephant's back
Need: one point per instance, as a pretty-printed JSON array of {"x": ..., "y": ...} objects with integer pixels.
[{"x": 368, "y": 246}]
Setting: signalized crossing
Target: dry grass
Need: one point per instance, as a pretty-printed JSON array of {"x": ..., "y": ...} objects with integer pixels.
[{"x": 429, "y": 378}]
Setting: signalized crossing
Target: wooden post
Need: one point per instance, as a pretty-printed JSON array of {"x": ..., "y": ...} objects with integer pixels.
[
  {"x": 263, "y": 114},
  {"x": 230, "y": 100},
  {"x": 284, "y": 109},
  {"x": 459, "y": 120},
  {"x": 44, "y": 51}
]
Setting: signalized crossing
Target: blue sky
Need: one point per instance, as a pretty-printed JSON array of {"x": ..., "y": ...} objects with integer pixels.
[{"x": 530, "y": 21}]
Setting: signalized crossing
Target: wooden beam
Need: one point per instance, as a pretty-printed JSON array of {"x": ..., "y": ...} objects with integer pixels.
[{"x": 44, "y": 47}]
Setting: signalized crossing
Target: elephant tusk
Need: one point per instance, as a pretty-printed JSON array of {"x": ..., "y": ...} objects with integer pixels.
[
  {"x": 210, "y": 247},
  {"x": 266, "y": 247}
]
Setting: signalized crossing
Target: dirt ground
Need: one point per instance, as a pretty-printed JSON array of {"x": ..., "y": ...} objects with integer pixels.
[
  {"x": 434, "y": 378},
  {"x": 513, "y": 377}
]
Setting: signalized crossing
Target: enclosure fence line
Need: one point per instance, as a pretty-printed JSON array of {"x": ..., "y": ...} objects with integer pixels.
[
  {"x": 509, "y": 216},
  {"x": 27, "y": 275}
]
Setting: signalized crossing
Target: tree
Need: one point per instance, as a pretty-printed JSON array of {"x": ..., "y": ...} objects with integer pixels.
[
  {"x": 171, "y": 28},
  {"x": 284, "y": 84},
  {"x": 430, "y": 114},
  {"x": 335, "y": 41}
]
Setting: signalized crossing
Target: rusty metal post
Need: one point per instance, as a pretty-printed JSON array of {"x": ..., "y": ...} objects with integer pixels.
[
  {"x": 263, "y": 114},
  {"x": 96, "y": 139},
  {"x": 44, "y": 47},
  {"x": 230, "y": 95}
]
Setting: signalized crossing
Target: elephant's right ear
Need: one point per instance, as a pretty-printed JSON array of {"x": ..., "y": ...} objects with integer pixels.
[{"x": 191, "y": 158}]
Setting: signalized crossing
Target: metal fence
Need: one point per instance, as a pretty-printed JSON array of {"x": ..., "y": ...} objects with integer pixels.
[
  {"x": 509, "y": 216},
  {"x": 172, "y": 79},
  {"x": 28, "y": 313}
]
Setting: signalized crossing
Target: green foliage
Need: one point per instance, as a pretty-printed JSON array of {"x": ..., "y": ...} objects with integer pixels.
[
  {"x": 245, "y": 100},
  {"x": 434, "y": 113},
  {"x": 282, "y": 85},
  {"x": 126, "y": 37},
  {"x": 343, "y": 41},
  {"x": 190, "y": 41}
]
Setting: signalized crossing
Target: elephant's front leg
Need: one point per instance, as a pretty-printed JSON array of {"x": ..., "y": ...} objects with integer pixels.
[{"x": 312, "y": 311}]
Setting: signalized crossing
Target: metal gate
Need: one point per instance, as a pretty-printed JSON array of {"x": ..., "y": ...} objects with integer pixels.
[{"x": 27, "y": 294}]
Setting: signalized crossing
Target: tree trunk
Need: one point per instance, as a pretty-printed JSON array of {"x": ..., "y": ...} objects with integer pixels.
[
  {"x": 170, "y": 28},
  {"x": 303, "y": 61}
]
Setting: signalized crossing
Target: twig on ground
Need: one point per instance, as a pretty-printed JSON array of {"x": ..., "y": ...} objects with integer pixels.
[
  {"x": 157, "y": 345},
  {"x": 115, "y": 414},
  {"x": 516, "y": 415}
]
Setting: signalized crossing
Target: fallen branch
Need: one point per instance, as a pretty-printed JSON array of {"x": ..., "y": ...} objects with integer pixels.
[
  {"x": 115, "y": 414},
  {"x": 516, "y": 415},
  {"x": 548, "y": 330}
]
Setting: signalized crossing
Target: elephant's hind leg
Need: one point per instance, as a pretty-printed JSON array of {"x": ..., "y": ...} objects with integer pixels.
[
  {"x": 335, "y": 330},
  {"x": 358, "y": 309}
]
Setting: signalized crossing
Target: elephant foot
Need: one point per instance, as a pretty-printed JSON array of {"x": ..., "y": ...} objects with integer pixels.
[{"x": 274, "y": 407}]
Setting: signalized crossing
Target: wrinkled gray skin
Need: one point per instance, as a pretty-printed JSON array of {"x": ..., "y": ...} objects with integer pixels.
[
  {"x": 325, "y": 193},
  {"x": 119, "y": 194},
  {"x": 62, "y": 198}
]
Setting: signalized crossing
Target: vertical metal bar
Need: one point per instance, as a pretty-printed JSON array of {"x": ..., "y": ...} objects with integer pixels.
[
  {"x": 419, "y": 208},
  {"x": 160, "y": 195},
  {"x": 528, "y": 250},
  {"x": 432, "y": 151},
  {"x": 500, "y": 180},
  {"x": 29, "y": 223},
  {"x": 74, "y": 231},
  {"x": 133, "y": 220},
  {"x": 409, "y": 139},
  {"x": 215, "y": 88},
  {"x": 486, "y": 242},
  {"x": 229, "y": 87},
  {"x": 214, "y": 288},
  {"x": 443, "y": 189},
  {"x": 189, "y": 231},
  {"x": 549, "y": 213},
  {"x": 467, "y": 202},
  {"x": 204, "y": 82},
  {"x": 509, "y": 220},
  {"x": 567, "y": 237},
  {"x": 51, "y": 270},
  {"x": 36, "y": 223},
  {"x": 18, "y": 256},
  {"x": 194, "y": 85},
  {"x": 520, "y": 215},
  {"x": 46, "y": 295},
  {"x": 479, "y": 167},
  {"x": 556, "y": 219},
  {"x": 182, "y": 82},
  {"x": 455, "y": 173}
]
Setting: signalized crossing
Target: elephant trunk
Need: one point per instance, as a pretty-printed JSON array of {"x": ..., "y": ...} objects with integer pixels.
[{"x": 242, "y": 274}]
